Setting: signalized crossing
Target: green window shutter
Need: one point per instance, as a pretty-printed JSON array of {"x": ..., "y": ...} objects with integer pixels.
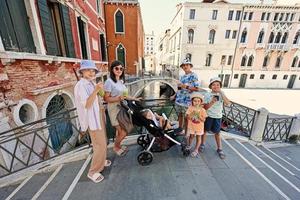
[
  {"x": 47, "y": 25},
  {"x": 7, "y": 32},
  {"x": 20, "y": 21},
  {"x": 68, "y": 31}
]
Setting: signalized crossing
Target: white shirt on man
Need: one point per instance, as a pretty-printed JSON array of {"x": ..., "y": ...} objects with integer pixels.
[{"x": 88, "y": 117}]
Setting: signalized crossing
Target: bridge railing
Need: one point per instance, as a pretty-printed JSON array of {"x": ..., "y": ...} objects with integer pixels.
[
  {"x": 277, "y": 128},
  {"x": 239, "y": 119},
  {"x": 38, "y": 141}
]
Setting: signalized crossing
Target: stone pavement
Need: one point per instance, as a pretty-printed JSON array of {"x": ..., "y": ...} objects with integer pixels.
[{"x": 247, "y": 173}]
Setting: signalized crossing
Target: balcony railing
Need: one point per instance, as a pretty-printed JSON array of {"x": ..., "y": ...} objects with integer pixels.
[{"x": 280, "y": 47}]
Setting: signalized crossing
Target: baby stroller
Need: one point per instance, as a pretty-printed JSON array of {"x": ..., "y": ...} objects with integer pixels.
[{"x": 156, "y": 139}]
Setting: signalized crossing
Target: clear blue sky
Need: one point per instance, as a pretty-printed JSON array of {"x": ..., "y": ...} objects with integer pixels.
[{"x": 157, "y": 14}]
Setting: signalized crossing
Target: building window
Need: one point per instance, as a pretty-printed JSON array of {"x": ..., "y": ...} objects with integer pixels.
[
  {"x": 263, "y": 16},
  {"x": 230, "y": 14},
  {"x": 223, "y": 59},
  {"x": 190, "y": 36},
  {"x": 292, "y": 17},
  {"x": 266, "y": 61},
  {"x": 278, "y": 62},
  {"x": 211, "y": 38},
  {"x": 214, "y": 15},
  {"x": 208, "y": 60},
  {"x": 252, "y": 76},
  {"x": 57, "y": 30},
  {"x": 260, "y": 36},
  {"x": 271, "y": 38},
  {"x": 296, "y": 38},
  {"x": 245, "y": 16},
  {"x": 276, "y": 16},
  {"x": 295, "y": 60},
  {"x": 121, "y": 55},
  {"x": 244, "y": 60},
  {"x": 268, "y": 16},
  {"x": 234, "y": 33},
  {"x": 98, "y": 6},
  {"x": 119, "y": 22},
  {"x": 281, "y": 16},
  {"x": 229, "y": 60},
  {"x": 15, "y": 30},
  {"x": 284, "y": 38},
  {"x": 188, "y": 57},
  {"x": 250, "y": 61},
  {"x": 262, "y": 76},
  {"x": 227, "y": 34},
  {"x": 298, "y": 64},
  {"x": 236, "y": 76},
  {"x": 83, "y": 38},
  {"x": 250, "y": 16},
  {"x": 103, "y": 47},
  {"x": 287, "y": 16},
  {"x": 278, "y": 37},
  {"x": 244, "y": 36},
  {"x": 192, "y": 13},
  {"x": 274, "y": 76},
  {"x": 238, "y": 15},
  {"x": 285, "y": 77}
]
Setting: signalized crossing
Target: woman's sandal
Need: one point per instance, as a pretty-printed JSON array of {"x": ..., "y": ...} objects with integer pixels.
[
  {"x": 96, "y": 177},
  {"x": 121, "y": 152},
  {"x": 107, "y": 163}
]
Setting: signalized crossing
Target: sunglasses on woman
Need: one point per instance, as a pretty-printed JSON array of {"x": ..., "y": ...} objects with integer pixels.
[{"x": 118, "y": 68}]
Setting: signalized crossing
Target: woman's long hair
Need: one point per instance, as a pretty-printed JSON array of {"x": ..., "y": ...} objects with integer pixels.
[{"x": 112, "y": 75}]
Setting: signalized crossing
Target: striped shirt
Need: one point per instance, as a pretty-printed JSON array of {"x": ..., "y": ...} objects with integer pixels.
[{"x": 88, "y": 117}]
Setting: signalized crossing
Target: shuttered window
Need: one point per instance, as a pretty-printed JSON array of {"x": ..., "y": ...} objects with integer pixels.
[
  {"x": 15, "y": 31},
  {"x": 81, "y": 28},
  {"x": 56, "y": 27}
]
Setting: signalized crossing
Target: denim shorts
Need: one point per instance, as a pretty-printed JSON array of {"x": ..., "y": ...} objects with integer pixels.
[{"x": 213, "y": 125}]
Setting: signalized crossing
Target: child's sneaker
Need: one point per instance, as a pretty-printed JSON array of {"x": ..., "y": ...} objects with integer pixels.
[
  {"x": 202, "y": 148},
  {"x": 221, "y": 153}
]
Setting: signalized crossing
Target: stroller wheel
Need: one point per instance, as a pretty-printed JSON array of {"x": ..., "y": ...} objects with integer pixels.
[
  {"x": 143, "y": 141},
  {"x": 145, "y": 158}
]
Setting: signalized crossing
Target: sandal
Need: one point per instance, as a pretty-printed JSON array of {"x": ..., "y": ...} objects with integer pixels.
[
  {"x": 202, "y": 147},
  {"x": 221, "y": 153},
  {"x": 96, "y": 177},
  {"x": 194, "y": 154},
  {"x": 107, "y": 163},
  {"x": 121, "y": 152},
  {"x": 125, "y": 148}
]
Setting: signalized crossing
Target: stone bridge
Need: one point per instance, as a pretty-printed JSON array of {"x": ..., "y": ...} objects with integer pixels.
[{"x": 136, "y": 87}]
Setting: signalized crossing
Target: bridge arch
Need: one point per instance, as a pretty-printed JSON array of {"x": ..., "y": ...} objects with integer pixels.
[{"x": 149, "y": 82}]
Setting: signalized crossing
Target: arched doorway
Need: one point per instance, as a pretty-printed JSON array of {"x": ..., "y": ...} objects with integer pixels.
[{"x": 60, "y": 126}]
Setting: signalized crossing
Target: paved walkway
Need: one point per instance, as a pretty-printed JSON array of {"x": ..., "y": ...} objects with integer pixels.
[{"x": 247, "y": 173}]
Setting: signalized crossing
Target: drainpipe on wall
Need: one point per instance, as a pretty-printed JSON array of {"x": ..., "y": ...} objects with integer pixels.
[{"x": 236, "y": 46}]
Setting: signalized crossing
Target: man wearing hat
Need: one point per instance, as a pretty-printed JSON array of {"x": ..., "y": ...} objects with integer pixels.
[
  {"x": 214, "y": 101},
  {"x": 188, "y": 84},
  {"x": 86, "y": 101}
]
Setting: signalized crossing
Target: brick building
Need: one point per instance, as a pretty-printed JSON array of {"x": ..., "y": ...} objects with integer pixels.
[
  {"x": 125, "y": 33},
  {"x": 41, "y": 43}
]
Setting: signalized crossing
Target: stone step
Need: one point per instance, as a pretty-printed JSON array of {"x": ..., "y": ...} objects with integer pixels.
[
  {"x": 280, "y": 168},
  {"x": 6, "y": 191},
  {"x": 239, "y": 181},
  {"x": 32, "y": 186},
  {"x": 283, "y": 157},
  {"x": 60, "y": 184},
  {"x": 288, "y": 188}
]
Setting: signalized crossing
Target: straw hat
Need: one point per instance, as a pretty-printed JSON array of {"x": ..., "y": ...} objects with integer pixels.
[
  {"x": 197, "y": 95},
  {"x": 215, "y": 79}
]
